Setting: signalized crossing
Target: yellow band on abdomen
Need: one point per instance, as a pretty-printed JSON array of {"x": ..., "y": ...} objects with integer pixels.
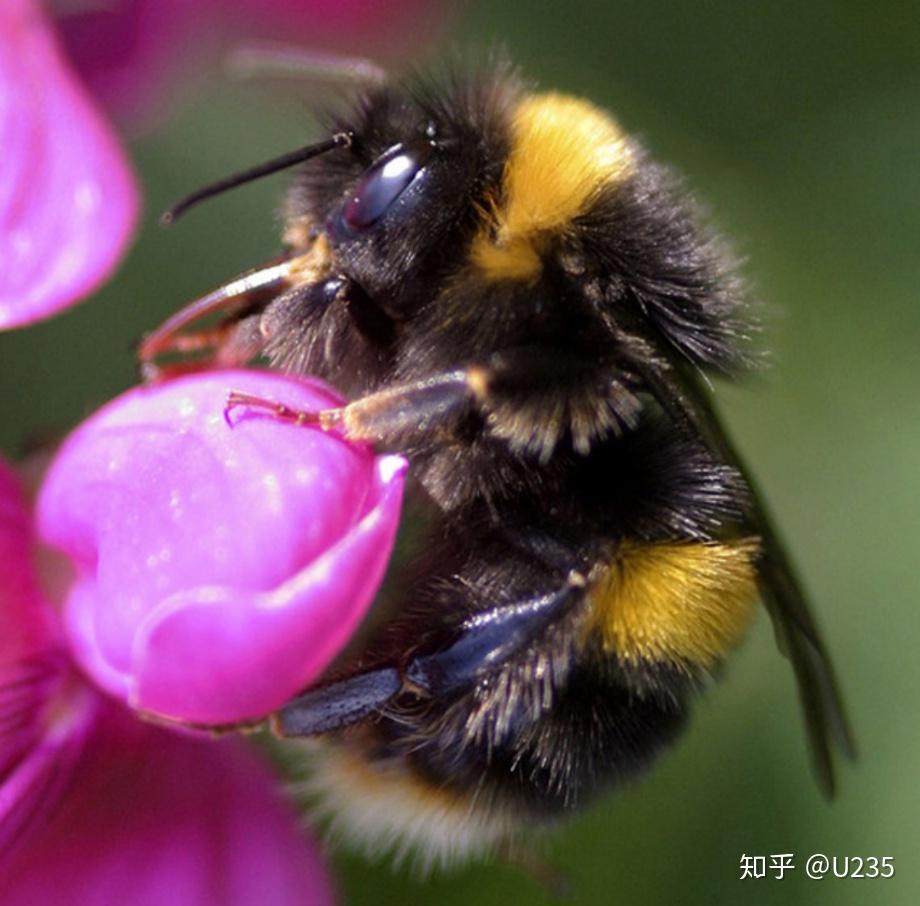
[{"x": 682, "y": 603}]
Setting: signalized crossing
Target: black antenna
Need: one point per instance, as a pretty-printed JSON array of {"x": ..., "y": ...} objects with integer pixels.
[{"x": 339, "y": 140}]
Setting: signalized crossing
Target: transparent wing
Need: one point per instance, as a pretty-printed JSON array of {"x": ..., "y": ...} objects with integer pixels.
[{"x": 682, "y": 394}]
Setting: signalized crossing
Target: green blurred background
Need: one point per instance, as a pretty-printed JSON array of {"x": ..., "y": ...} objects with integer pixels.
[{"x": 799, "y": 124}]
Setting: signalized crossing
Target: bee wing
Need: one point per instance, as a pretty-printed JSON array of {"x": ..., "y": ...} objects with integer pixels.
[
  {"x": 684, "y": 397},
  {"x": 798, "y": 638}
]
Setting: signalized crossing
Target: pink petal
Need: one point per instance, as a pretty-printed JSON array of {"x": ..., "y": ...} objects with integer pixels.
[
  {"x": 26, "y": 623},
  {"x": 68, "y": 202},
  {"x": 46, "y": 716},
  {"x": 293, "y": 631},
  {"x": 219, "y": 569},
  {"x": 153, "y": 818},
  {"x": 129, "y": 813},
  {"x": 43, "y": 717}
]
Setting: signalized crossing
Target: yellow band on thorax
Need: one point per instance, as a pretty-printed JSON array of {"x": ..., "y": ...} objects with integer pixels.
[{"x": 563, "y": 152}]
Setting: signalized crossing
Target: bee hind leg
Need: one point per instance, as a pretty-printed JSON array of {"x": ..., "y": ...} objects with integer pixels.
[
  {"x": 484, "y": 644},
  {"x": 338, "y": 704}
]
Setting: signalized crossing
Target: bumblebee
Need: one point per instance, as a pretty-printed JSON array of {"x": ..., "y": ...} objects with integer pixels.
[{"x": 510, "y": 291}]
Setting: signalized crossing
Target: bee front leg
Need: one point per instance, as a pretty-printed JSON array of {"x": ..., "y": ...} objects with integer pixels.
[
  {"x": 518, "y": 398},
  {"x": 233, "y": 340},
  {"x": 389, "y": 416}
]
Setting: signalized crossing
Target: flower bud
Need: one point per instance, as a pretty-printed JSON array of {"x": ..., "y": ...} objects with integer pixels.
[{"x": 218, "y": 569}]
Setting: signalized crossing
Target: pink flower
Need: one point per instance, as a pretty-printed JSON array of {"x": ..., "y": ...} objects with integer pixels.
[
  {"x": 99, "y": 808},
  {"x": 36, "y": 750},
  {"x": 149, "y": 817},
  {"x": 209, "y": 573},
  {"x": 68, "y": 202},
  {"x": 218, "y": 570}
]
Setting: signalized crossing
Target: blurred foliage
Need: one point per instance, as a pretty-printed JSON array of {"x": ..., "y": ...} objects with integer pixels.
[{"x": 800, "y": 126}]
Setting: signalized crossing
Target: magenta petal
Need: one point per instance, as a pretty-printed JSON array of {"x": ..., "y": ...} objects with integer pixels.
[
  {"x": 264, "y": 648},
  {"x": 44, "y": 716},
  {"x": 219, "y": 569},
  {"x": 154, "y": 818},
  {"x": 26, "y": 623},
  {"x": 68, "y": 201}
]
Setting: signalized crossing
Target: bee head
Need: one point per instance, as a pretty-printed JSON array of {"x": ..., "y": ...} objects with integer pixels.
[
  {"x": 401, "y": 204},
  {"x": 467, "y": 215},
  {"x": 481, "y": 190}
]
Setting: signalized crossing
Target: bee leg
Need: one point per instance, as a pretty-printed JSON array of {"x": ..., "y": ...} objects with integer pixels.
[
  {"x": 513, "y": 393},
  {"x": 388, "y": 415},
  {"x": 407, "y": 410},
  {"x": 289, "y": 61},
  {"x": 490, "y": 639},
  {"x": 338, "y": 704},
  {"x": 397, "y": 414},
  {"x": 556, "y": 884},
  {"x": 485, "y": 643},
  {"x": 241, "y": 331},
  {"x": 509, "y": 393},
  {"x": 227, "y": 345},
  {"x": 237, "y": 399}
]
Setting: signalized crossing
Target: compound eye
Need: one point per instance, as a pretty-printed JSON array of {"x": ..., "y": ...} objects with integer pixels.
[{"x": 383, "y": 182}]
